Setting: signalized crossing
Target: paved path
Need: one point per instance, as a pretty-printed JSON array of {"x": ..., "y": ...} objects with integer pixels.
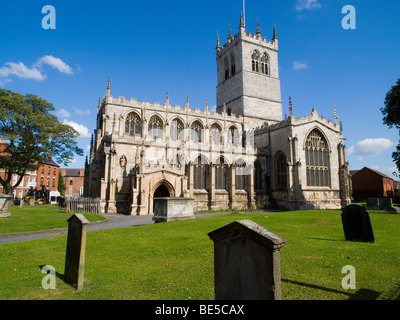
[{"x": 114, "y": 222}]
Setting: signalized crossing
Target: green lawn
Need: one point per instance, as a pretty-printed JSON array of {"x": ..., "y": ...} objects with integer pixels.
[
  {"x": 175, "y": 260},
  {"x": 40, "y": 217}
]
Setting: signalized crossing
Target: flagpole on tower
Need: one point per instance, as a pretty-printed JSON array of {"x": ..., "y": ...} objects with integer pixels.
[{"x": 244, "y": 12}]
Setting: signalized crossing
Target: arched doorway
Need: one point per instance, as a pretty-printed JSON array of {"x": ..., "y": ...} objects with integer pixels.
[
  {"x": 162, "y": 192},
  {"x": 163, "y": 189}
]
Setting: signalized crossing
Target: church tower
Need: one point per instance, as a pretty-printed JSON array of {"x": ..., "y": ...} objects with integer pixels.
[{"x": 248, "y": 76}]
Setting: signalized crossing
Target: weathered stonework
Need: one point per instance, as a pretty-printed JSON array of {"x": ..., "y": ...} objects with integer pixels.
[{"x": 246, "y": 152}]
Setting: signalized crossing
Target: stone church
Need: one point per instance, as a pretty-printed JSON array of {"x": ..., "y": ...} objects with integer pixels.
[{"x": 237, "y": 157}]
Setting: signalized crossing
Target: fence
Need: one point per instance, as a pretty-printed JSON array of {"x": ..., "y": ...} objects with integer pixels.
[{"x": 83, "y": 205}]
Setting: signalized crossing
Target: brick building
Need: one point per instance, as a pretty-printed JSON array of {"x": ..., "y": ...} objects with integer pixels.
[
  {"x": 369, "y": 183},
  {"x": 73, "y": 180},
  {"x": 46, "y": 175}
]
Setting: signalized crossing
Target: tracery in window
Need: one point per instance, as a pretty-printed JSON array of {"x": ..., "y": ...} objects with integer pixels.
[
  {"x": 216, "y": 134},
  {"x": 255, "y": 58},
  {"x": 200, "y": 173},
  {"x": 221, "y": 169},
  {"x": 133, "y": 125},
  {"x": 155, "y": 128},
  {"x": 281, "y": 170},
  {"x": 317, "y": 160},
  {"x": 176, "y": 130},
  {"x": 197, "y": 132},
  {"x": 241, "y": 175}
]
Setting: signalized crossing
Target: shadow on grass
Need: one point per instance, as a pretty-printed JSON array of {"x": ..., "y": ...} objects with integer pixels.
[{"x": 362, "y": 294}]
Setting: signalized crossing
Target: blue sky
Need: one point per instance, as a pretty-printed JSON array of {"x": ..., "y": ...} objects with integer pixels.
[{"x": 149, "y": 48}]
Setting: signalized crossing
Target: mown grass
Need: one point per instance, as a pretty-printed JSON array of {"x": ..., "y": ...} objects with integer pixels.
[
  {"x": 40, "y": 217},
  {"x": 174, "y": 261}
]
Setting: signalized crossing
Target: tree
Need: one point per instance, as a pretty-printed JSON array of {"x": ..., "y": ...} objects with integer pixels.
[
  {"x": 391, "y": 113},
  {"x": 31, "y": 132},
  {"x": 61, "y": 185}
]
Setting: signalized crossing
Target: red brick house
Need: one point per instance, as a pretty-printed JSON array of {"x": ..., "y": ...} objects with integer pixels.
[
  {"x": 73, "y": 180},
  {"x": 369, "y": 183},
  {"x": 46, "y": 175}
]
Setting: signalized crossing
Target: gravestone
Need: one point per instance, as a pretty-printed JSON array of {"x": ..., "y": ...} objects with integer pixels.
[
  {"x": 385, "y": 204},
  {"x": 373, "y": 204},
  {"x": 357, "y": 224},
  {"x": 4, "y": 203},
  {"x": 247, "y": 262},
  {"x": 76, "y": 247}
]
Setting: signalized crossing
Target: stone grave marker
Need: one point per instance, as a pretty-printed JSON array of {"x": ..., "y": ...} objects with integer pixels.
[
  {"x": 357, "y": 224},
  {"x": 373, "y": 204},
  {"x": 385, "y": 204},
  {"x": 76, "y": 247},
  {"x": 247, "y": 262},
  {"x": 173, "y": 209}
]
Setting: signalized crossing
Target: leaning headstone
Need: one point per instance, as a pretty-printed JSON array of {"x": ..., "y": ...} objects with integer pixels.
[
  {"x": 385, "y": 204},
  {"x": 76, "y": 247},
  {"x": 357, "y": 224},
  {"x": 373, "y": 204},
  {"x": 247, "y": 262},
  {"x": 5, "y": 200}
]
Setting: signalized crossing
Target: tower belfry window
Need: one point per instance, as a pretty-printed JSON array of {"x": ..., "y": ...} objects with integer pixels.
[
  {"x": 226, "y": 70},
  {"x": 255, "y": 61},
  {"x": 233, "y": 65},
  {"x": 265, "y": 64}
]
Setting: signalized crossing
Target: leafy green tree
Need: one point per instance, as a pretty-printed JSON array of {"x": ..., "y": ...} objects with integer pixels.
[
  {"x": 61, "y": 185},
  {"x": 31, "y": 132},
  {"x": 391, "y": 113}
]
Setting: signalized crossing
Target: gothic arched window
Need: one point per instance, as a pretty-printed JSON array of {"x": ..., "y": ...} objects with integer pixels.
[
  {"x": 133, "y": 125},
  {"x": 281, "y": 170},
  {"x": 156, "y": 128},
  {"x": 226, "y": 64},
  {"x": 233, "y": 65},
  {"x": 221, "y": 174},
  {"x": 216, "y": 134},
  {"x": 258, "y": 175},
  {"x": 241, "y": 175},
  {"x": 197, "y": 132},
  {"x": 265, "y": 64},
  {"x": 255, "y": 61},
  {"x": 176, "y": 130},
  {"x": 233, "y": 137},
  {"x": 200, "y": 173},
  {"x": 317, "y": 160}
]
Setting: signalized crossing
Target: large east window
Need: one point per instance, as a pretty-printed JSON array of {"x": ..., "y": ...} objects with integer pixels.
[{"x": 317, "y": 160}]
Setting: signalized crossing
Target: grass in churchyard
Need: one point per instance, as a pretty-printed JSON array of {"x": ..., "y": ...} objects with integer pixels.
[
  {"x": 39, "y": 217},
  {"x": 175, "y": 260}
]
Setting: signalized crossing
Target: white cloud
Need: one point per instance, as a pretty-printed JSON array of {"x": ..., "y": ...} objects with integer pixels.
[
  {"x": 82, "y": 112},
  {"x": 307, "y": 5},
  {"x": 82, "y": 130},
  {"x": 299, "y": 65},
  {"x": 55, "y": 63},
  {"x": 370, "y": 147},
  {"x": 21, "y": 71},
  {"x": 63, "y": 113}
]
